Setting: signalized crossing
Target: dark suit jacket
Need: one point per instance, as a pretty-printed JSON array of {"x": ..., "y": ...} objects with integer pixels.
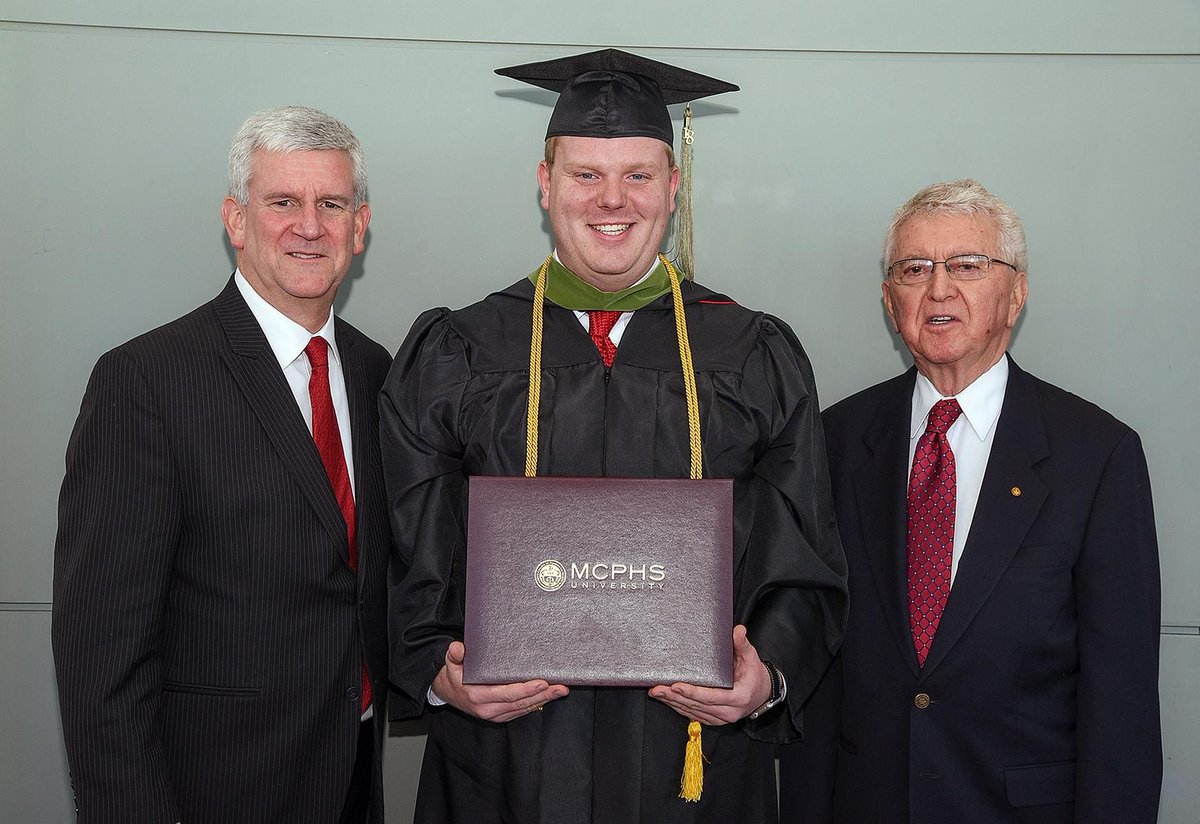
[
  {"x": 1039, "y": 699},
  {"x": 208, "y": 631}
]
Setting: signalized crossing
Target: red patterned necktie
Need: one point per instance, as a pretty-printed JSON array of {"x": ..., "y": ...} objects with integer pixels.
[
  {"x": 600, "y": 323},
  {"x": 329, "y": 443},
  {"x": 931, "y": 498}
]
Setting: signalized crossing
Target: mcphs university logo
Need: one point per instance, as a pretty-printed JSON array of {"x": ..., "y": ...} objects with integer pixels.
[{"x": 551, "y": 575}]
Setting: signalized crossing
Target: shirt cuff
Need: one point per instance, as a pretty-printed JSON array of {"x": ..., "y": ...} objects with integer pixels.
[{"x": 431, "y": 697}]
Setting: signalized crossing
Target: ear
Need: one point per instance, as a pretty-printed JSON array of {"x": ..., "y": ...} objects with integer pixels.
[
  {"x": 233, "y": 215},
  {"x": 674, "y": 185},
  {"x": 1020, "y": 291},
  {"x": 362, "y": 218},
  {"x": 543, "y": 176},
  {"x": 887, "y": 304}
]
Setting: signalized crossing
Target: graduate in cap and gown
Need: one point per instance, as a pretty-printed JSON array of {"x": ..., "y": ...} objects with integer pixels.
[{"x": 613, "y": 395}]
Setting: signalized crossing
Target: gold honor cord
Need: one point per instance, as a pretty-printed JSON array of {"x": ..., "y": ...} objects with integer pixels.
[
  {"x": 689, "y": 372},
  {"x": 535, "y": 373},
  {"x": 691, "y": 783}
]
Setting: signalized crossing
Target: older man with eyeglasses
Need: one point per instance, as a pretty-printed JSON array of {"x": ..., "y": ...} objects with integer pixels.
[{"x": 1001, "y": 660}]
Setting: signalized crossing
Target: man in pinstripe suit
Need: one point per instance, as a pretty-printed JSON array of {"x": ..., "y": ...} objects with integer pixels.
[{"x": 219, "y": 612}]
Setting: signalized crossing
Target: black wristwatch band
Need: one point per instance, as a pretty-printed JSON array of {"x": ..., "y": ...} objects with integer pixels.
[{"x": 776, "y": 690}]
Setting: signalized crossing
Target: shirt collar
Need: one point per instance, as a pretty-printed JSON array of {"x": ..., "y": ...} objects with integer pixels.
[
  {"x": 286, "y": 337},
  {"x": 981, "y": 401}
]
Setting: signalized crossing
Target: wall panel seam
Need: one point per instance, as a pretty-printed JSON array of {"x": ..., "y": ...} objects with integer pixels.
[
  {"x": 445, "y": 41},
  {"x": 46, "y": 606}
]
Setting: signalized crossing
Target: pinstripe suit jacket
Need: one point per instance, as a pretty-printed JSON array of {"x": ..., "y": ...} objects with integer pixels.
[{"x": 208, "y": 631}]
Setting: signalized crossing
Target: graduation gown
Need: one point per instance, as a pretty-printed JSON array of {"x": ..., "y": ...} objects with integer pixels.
[{"x": 454, "y": 405}]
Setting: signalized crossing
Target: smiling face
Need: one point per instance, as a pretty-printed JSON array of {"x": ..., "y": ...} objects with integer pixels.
[
  {"x": 298, "y": 230},
  {"x": 610, "y": 200},
  {"x": 955, "y": 329}
]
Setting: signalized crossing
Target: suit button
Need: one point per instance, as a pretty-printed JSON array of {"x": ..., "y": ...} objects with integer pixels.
[
  {"x": 921, "y": 701},
  {"x": 352, "y": 693}
]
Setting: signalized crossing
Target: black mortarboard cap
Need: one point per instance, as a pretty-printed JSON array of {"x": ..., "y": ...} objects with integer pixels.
[{"x": 611, "y": 93}]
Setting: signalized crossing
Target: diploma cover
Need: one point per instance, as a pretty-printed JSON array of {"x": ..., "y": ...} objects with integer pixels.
[{"x": 599, "y": 581}]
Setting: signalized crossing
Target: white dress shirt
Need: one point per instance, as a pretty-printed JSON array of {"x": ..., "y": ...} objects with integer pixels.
[{"x": 970, "y": 440}]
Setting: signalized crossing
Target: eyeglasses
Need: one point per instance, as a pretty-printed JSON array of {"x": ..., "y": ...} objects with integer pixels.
[{"x": 959, "y": 267}]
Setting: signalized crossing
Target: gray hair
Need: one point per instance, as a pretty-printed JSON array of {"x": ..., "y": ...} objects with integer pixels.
[
  {"x": 292, "y": 129},
  {"x": 963, "y": 197}
]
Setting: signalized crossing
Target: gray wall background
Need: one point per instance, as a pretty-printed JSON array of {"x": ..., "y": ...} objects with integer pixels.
[{"x": 115, "y": 118}]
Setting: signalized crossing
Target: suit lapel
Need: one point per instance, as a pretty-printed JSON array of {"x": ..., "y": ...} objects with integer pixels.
[
  {"x": 363, "y": 434},
  {"x": 1002, "y": 516},
  {"x": 880, "y": 492},
  {"x": 261, "y": 381}
]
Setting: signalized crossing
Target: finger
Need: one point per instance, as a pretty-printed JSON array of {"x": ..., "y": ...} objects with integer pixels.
[
  {"x": 523, "y": 694},
  {"x": 510, "y": 710},
  {"x": 456, "y": 653},
  {"x": 742, "y": 648},
  {"x": 551, "y": 693},
  {"x": 727, "y": 705},
  {"x": 676, "y": 697},
  {"x": 507, "y": 713},
  {"x": 695, "y": 713},
  {"x": 706, "y": 696},
  {"x": 515, "y": 693}
]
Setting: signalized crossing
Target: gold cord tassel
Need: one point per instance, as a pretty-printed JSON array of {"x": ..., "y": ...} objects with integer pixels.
[
  {"x": 683, "y": 219},
  {"x": 692, "y": 782}
]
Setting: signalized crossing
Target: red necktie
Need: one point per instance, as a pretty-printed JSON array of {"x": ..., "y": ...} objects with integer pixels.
[
  {"x": 329, "y": 443},
  {"x": 931, "y": 498},
  {"x": 600, "y": 323}
]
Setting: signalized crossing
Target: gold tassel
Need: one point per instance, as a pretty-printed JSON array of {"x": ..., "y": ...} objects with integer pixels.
[
  {"x": 683, "y": 220},
  {"x": 692, "y": 782}
]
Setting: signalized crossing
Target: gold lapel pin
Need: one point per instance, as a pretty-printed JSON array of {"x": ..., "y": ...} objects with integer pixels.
[{"x": 1016, "y": 491}]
